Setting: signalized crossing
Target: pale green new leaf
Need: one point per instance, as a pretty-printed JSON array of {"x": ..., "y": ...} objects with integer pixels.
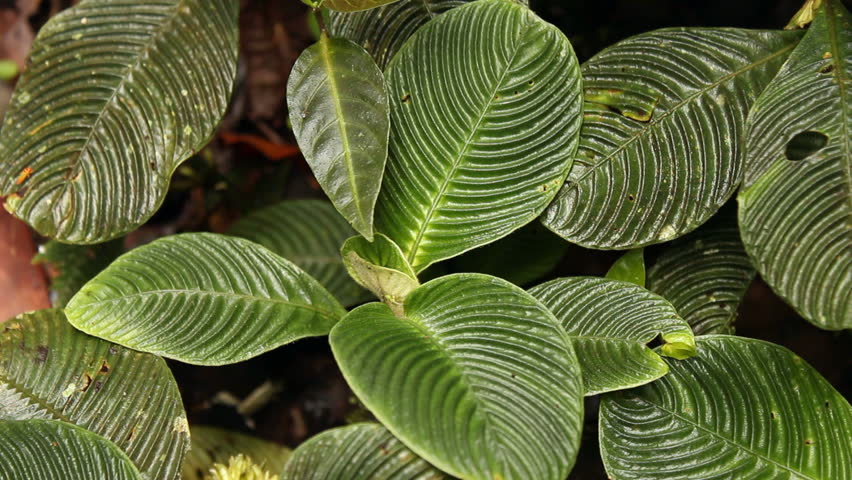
[
  {"x": 71, "y": 266},
  {"x": 205, "y": 299},
  {"x": 364, "y": 451},
  {"x": 485, "y": 108},
  {"x": 796, "y": 207},
  {"x": 339, "y": 110},
  {"x": 117, "y": 95},
  {"x": 660, "y": 148},
  {"x": 478, "y": 378},
  {"x": 610, "y": 323},
  {"x": 53, "y": 450},
  {"x": 49, "y": 370},
  {"x": 741, "y": 409},
  {"x": 211, "y": 445},
  {"x": 380, "y": 267},
  {"x": 630, "y": 267},
  {"x": 309, "y": 233},
  {"x": 354, "y": 5}
]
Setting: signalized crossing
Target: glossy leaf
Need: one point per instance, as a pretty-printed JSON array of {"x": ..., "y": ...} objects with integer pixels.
[
  {"x": 211, "y": 445},
  {"x": 203, "y": 298},
  {"x": 364, "y": 451},
  {"x": 610, "y": 324},
  {"x": 380, "y": 267},
  {"x": 475, "y": 367},
  {"x": 52, "y": 450},
  {"x": 354, "y": 5},
  {"x": 49, "y": 370},
  {"x": 71, "y": 266},
  {"x": 339, "y": 110},
  {"x": 630, "y": 267},
  {"x": 485, "y": 108},
  {"x": 705, "y": 275},
  {"x": 742, "y": 409},
  {"x": 117, "y": 95},
  {"x": 309, "y": 233},
  {"x": 796, "y": 207},
  {"x": 660, "y": 147}
]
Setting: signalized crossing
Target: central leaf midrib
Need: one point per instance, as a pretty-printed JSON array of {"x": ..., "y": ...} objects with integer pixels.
[{"x": 35, "y": 399}]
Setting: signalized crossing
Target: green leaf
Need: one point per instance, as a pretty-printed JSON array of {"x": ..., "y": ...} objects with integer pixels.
[
  {"x": 610, "y": 323},
  {"x": 478, "y": 378},
  {"x": 364, "y": 451},
  {"x": 339, "y": 110},
  {"x": 705, "y": 275},
  {"x": 380, "y": 267},
  {"x": 203, "y": 298},
  {"x": 71, "y": 266},
  {"x": 796, "y": 207},
  {"x": 485, "y": 108},
  {"x": 211, "y": 445},
  {"x": 659, "y": 150},
  {"x": 51, "y": 450},
  {"x": 630, "y": 267},
  {"x": 741, "y": 409},
  {"x": 49, "y": 370},
  {"x": 117, "y": 95},
  {"x": 354, "y": 5},
  {"x": 308, "y": 233}
]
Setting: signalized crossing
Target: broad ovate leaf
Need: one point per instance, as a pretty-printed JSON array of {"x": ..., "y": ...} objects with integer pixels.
[
  {"x": 610, "y": 324},
  {"x": 203, "y": 298},
  {"x": 49, "y": 370},
  {"x": 485, "y": 109},
  {"x": 363, "y": 451},
  {"x": 741, "y": 409},
  {"x": 339, "y": 110},
  {"x": 477, "y": 377},
  {"x": 380, "y": 267},
  {"x": 660, "y": 147},
  {"x": 354, "y": 5},
  {"x": 309, "y": 233},
  {"x": 796, "y": 207},
  {"x": 53, "y": 450},
  {"x": 630, "y": 267},
  {"x": 71, "y": 266},
  {"x": 117, "y": 95},
  {"x": 211, "y": 445}
]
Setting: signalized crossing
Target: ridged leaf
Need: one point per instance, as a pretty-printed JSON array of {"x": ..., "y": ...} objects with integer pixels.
[
  {"x": 610, "y": 323},
  {"x": 796, "y": 207},
  {"x": 705, "y": 275},
  {"x": 742, "y": 409},
  {"x": 660, "y": 147},
  {"x": 71, "y": 266},
  {"x": 363, "y": 451},
  {"x": 309, "y": 233},
  {"x": 211, "y": 445},
  {"x": 630, "y": 267},
  {"x": 49, "y": 370},
  {"x": 354, "y": 5},
  {"x": 52, "y": 450},
  {"x": 485, "y": 108},
  {"x": 380, "y": 267},
  {"x": 477, "y": 378},
  {"x": 203, "y": 298},
  {"x": 117, "y": 95},
  {"x": 339, "y": 109}
]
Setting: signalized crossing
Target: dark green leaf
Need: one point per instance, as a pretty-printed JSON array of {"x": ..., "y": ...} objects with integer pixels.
[{"x": 630, "y": 267}]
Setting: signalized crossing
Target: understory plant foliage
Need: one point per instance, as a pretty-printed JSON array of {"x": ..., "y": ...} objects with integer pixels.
[{"x": 441, "y": 131}]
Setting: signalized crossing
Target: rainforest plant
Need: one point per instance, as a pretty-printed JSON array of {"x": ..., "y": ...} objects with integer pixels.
[{"x": 441, "y": 131}]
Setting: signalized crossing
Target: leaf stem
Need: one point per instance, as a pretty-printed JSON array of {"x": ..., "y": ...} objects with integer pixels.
[{"x": 320, "y": 20}]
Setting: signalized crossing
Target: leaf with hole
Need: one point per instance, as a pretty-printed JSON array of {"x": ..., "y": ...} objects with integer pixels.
[
  {"x": 485, "y": 108},
  {"x": 49, "y": 370},
  {"x": 630, "y": 267},
  {"x": 71, "y": 266},
  {"x": 796, "y": 204},
  {"x": 205, "y": 299},
  {"x": 118, "y": 94},
  {"x": 477, "y": 377},
  {"x": 740, "y": 409},
  {"x": 380, "y": 267},
  {"x": 339, "y": 110},
  {"x": 610, "y": 323},
  {"x": 211, "y": 445},
  {"x": 659, "y": 150}
]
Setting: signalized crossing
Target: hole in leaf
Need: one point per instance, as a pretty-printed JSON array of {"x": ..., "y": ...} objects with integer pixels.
[
  {"x": 631, "y": 197},
  {"x": 805, "y": 144},
  {"x": 827, "y": 68},
  {"x": 406, "y": 98}
]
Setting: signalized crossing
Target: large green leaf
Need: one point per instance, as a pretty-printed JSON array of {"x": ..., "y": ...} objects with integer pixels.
[
  {"x": 660, "y": 147},
  {"x": 117, "y": 95},
  {"x": 705, "y": 275},
  {"x": 309, "y": 233},
  {"x": 742, "y": 409},
  {"x": 49, "y": 370},
  {"x": 52, "y": 450},
  {"x": 203, "y": 298},
  {"x": 71, "y": 266},
  {"x": 211, "y": 445},
  {"x": 364, "y": 451},
  {"x": 477, "y": 378},
  {"x": 485, "y": 108},
  {"x": 796, "y": 207},
  {"x": 380, "y": 267},
  {"x": 354, "y": 5},
  {"x": 339, "y": 109},
  {"x": 610, "y": 323}
]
